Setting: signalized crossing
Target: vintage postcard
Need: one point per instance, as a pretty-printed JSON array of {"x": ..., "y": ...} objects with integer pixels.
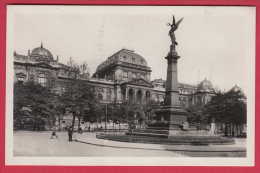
[{"x": 130, "y": 85}]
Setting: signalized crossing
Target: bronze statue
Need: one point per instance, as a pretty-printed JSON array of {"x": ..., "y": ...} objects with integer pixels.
[{"x": 174, "y": 27}]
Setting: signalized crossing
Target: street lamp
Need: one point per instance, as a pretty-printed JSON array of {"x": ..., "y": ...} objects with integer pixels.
[{"x": 106, "y": 117}]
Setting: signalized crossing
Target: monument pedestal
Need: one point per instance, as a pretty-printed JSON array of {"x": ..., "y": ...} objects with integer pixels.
[
  {"x": 172, "y": 112},
  {"x": 170, "y": 118}
]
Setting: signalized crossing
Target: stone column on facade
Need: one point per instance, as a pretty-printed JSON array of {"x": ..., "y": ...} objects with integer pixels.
[
  {"x": 135, "y": 96},
  {"x": 126, "y": 94},
  {"x": 118, "y": 94},
  {"x": 143, "y": 100}
]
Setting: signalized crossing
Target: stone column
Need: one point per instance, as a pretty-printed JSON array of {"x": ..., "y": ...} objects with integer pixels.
[
  {"x": 172, "y": 91},
  {"x": 172, "y": 112},
  {"x": 135, "y": 96},
  {"x": 126, "y": 93},
  {"x": 143, "y": 97}
]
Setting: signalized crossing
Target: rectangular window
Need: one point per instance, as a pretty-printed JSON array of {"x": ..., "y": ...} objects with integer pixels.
[
  {"x": 125, "y": 75},
  {"x": 134, "y": 75},
  {"x": 42, "y": 80}
]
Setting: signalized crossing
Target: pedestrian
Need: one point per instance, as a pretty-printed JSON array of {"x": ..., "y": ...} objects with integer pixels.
[
  {"x": 80, "y": 131},
  {"x": 70, "y": 131},
  {"x": 54, "y": 134}
]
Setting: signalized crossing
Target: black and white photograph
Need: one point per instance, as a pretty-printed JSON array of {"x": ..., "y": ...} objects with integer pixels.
[{"x": 130, "y": 85}]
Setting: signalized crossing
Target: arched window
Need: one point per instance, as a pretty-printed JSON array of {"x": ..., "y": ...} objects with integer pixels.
[
  {"x": 147, "y": 96},
  {"x": 131, "y": 96},
  {"x": 42, "y": 79},
  {"x": 100, "y": 96},
  {"x": 139, "y": 97}
]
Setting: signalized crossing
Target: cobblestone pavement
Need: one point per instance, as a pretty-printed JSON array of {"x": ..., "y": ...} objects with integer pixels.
[{"x": 40, "y": 144}]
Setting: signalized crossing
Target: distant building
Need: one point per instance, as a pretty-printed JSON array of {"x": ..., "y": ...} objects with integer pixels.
[{"x": 124, "y": 77}]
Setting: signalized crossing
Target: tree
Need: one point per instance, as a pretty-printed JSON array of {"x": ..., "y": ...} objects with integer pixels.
[
  {"x": 32, "y": 102},
  {"x": 79, "y": 97},
  {"x": 230, "y": 109},
  {"x": 196, "y": 116}
]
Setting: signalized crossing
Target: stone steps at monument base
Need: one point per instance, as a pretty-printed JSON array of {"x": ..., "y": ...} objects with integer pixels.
[
  {"x": 173, "y": 140},
  {"x": 151, "y": 131},
  {"x": 148, "y": 134}
]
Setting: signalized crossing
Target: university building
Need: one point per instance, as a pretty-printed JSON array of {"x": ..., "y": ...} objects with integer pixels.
[{"x": 124, "y": 77}]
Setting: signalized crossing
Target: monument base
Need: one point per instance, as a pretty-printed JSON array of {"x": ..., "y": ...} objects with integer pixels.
[
  {"x": 170, "y": 128},
  {"x": 171, "y": 118}
]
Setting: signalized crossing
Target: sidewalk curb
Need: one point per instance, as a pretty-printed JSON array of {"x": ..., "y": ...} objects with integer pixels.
[{"x": 162, "y": 149}]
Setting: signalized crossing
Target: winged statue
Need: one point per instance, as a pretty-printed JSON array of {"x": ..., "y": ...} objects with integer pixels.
[{"x": 174, "y": 26}]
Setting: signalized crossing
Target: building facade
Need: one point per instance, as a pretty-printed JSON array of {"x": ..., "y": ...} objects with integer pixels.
[{"x": 124, "y": 77}]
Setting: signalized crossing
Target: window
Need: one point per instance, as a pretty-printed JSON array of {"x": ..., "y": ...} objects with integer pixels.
[
  {"x": 100, "y": 96},
  {"x": 134, "y": 75},
  {"x": 125, "y": 75},
  {"x": 133, "y": 59},
  {"x": 20, "y": 77},
  {"x": 63, "y": 89},
  {"x": 42, "y": 80}
]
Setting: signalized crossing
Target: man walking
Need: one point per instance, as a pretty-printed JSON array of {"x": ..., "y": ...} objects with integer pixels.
[{"x": 70, "y": 131}]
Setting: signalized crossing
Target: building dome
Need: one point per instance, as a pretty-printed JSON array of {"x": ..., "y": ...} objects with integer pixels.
[
  {"x": 205, "y": 86},
  {"x": 131, "y": 57},
  {"x": 124, "y": 56},
  {"x": 41, "y": 53}
]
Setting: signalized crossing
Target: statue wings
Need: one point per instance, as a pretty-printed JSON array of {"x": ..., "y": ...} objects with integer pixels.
[
  {"x": 178, "y": 22},
  {"x": 175, "y": 24},
  {"x": 173, "y": 20}
]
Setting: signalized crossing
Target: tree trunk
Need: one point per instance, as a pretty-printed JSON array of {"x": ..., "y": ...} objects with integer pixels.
[
  {"x": 73, "y": 121},
  {"x": 59, "y": 122},
  {"x": 226, "y": 129},
  {"x": 79, "y": 122}
]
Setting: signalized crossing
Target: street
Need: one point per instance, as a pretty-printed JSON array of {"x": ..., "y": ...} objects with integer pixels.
[{"x": 39, "y": 144}]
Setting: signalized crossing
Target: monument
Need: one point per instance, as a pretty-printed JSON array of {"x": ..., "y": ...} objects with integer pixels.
[
  {"x": 170, "y": 126},
  {"x": 171, "y": 116}
]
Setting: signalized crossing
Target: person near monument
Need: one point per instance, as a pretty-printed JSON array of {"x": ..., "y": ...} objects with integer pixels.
[{"x": 70, "y": 131}]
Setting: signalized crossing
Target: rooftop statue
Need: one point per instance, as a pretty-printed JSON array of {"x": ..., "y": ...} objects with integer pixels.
[{"x": 174, "y": 27}]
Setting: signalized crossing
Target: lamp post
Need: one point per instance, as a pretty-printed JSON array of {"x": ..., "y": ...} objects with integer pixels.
[{"x": 106, "y": 117}]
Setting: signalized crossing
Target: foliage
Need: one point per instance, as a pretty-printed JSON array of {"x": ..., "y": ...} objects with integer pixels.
[
  {"x": 229, "y": 107},
  {"x": 195, "y": 114},
  {"x": 32, "y": 102},
  {"x": 128, "y": 113},
  {"x": 79, "y": 97}
]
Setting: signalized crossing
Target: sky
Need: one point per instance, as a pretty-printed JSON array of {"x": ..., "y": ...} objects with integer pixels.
[{"x": 217, "y": 43}]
